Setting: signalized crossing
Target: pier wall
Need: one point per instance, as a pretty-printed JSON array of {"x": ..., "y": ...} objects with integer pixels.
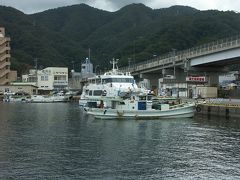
[{"x": 228, "y": 111}]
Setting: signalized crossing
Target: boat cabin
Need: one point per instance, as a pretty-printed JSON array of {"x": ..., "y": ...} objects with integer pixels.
[{"x": 134, "y": 102}]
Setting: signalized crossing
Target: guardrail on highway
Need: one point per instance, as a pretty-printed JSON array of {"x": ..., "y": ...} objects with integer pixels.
[{"x": 184, "y": 55}]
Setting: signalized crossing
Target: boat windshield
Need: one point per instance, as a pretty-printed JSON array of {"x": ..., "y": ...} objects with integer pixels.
[{"x": 118, "y": 80}]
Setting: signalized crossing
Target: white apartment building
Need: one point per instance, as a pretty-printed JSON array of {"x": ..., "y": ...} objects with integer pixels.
[{"x": 52, "y": 78}]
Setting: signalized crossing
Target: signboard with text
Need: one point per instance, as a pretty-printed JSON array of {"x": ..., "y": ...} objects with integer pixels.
[{"x": 196, "y": 79}]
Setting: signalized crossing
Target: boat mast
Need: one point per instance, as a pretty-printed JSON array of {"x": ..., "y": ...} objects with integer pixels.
[
  {"x": 114, "y": 62},
  {"x": 89, "y": 53}
]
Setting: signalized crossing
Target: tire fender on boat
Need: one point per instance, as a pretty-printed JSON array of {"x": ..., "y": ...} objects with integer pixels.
[{"x": 198, "y": 109}]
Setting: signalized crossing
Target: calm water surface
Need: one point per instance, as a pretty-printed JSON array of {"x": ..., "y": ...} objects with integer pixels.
[{"x": 56, "y": 141}]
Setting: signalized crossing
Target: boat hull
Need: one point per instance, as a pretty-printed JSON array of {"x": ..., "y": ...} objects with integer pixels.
[
  {"x": 50, "y": 99},
  {"x": 181, "y": 112}
]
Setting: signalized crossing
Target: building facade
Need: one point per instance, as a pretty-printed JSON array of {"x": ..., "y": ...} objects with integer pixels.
[
  {"x": 77, "y": 78},
  {"x": 19, "y": 87},
  {"x": 52, "y": 79},
  {"x": 5, "y": 73},
  {"x": 31, "y": 77}
]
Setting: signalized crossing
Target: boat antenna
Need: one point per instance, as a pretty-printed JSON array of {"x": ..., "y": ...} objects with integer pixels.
[
  {"x": 89, "y": 53},
  {"x": 114, "y": 62}
]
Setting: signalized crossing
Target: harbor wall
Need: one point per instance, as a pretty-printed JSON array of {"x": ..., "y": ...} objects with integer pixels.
[{"x": 228, "y": 111}]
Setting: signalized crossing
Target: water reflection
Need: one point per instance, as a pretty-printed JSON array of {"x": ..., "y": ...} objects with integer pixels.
[
  {"x": 56, "y": 141},
  {"x": 218, "y": 121}
]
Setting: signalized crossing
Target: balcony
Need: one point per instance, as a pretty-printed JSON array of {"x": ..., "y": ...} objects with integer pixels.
[
  {"x": 4, "y": 81},
  {"x": 6, "y": 44},
  {"x": 4, "y": 64},
  {"x": 4, "y": 49},
  {"x": 4, "y": 72},
  {"x": 5, "y": 39},
  {"x": 60, "y": 83},
  {"x": 4, "y": 56},
  {"x": 2, "y": 41}
]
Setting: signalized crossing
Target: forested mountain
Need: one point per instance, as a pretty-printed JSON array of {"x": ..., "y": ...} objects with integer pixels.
[{"x": 62, "y": 35}]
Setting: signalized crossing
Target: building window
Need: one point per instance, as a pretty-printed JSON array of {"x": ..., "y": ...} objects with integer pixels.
[
  {"x": 42, "y": 78},
  {"x": 46, "y": 78},
  {"x": 60, "y": 77}
]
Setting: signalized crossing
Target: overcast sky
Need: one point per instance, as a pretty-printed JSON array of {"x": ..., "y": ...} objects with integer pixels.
[{"x": 32, "y": 6}]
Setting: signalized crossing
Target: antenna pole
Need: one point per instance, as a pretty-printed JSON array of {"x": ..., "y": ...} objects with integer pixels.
[
  {"x": 113, "y": 62},
  {"x": 36, "y": 69},
  {"x": 89, "y": 53}
]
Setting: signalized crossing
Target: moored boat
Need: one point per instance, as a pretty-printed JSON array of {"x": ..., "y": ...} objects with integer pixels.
[
  {"x": 113, "y": 83},
  {"x": 16, "y": 97},
  {"x": 138, "y": 107},
  {"x": 48, "y": 99}
]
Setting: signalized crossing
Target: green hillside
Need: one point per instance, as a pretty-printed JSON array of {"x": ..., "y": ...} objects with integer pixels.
[{"x": 62, "y": 35}]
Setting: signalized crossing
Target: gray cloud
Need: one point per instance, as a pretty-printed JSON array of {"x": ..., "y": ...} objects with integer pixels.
[
  {"x": 31, "y": 6},
  {"x": 113, "y": 5}
]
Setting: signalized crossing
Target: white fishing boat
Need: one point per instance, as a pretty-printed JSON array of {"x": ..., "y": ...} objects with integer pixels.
[
  {"x": 59, "y": 97},
  {"x": 16, "y": 97},
  {"x": 111, "y": 84},
  {"x": 138, "y": 107}
]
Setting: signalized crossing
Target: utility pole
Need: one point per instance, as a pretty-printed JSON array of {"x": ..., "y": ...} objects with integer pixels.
[
  {"x": 174, "y": 66},
  {"x": 129, "y": 63},
  {"x": 89, "y": 54},
  {"x": 72, "y": 64},
  {"x": 134, "y": 53},
  {"x": 36, "y": 67}
]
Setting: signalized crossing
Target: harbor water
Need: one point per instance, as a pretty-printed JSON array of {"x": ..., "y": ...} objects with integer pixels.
[{"x": 57, "y": 141}]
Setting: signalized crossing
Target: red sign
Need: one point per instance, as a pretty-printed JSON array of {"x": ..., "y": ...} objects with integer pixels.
[{"x": 196, "y": 78}]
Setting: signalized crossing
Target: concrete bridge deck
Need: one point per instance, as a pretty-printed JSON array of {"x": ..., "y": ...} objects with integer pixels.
[{"x": 182, "y": 58}]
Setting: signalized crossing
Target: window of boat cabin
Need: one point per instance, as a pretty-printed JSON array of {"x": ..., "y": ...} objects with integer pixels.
[
  {"x": 98, "y": 81},
  {"x": 149, "y": 98},
  {"x": 118, "y": 80},
  {"x": 97, "y": 92},
  {"x": 90, "y": 93},
  {"x": 92, "y": 81},
  {"x": 114, "y": 104},
  {"x": 104, "y": 81},
  {"x": 142, "y": 98}
]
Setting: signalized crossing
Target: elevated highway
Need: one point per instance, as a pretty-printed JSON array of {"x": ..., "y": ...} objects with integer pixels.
[{"x": 218, "y": 53}]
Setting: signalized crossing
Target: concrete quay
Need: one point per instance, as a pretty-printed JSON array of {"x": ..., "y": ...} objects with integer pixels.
[{"x": 229, "y": 108}]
